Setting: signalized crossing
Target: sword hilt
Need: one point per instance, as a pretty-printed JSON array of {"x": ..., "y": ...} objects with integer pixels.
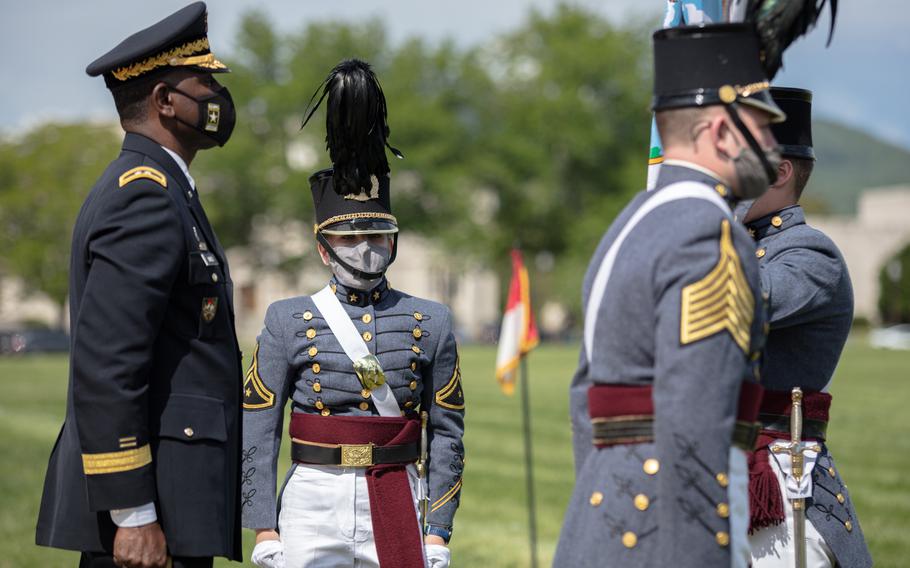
[{"x": 796, "y": 432}]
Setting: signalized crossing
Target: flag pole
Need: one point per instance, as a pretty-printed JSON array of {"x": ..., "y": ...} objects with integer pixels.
[{"x": 529, "y": 461}]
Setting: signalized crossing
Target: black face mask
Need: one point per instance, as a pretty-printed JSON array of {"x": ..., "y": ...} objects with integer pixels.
[{"x": 217, "y": 115}]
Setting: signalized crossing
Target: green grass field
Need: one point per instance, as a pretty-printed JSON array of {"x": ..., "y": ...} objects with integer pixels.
[{"x": 866, "y": 436}]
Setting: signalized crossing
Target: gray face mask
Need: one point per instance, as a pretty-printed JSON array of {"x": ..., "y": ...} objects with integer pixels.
[
  {"x": 750, "y": 174},
  {"x": 742, "y": 209},
  {"x": 364, "y": 256}
]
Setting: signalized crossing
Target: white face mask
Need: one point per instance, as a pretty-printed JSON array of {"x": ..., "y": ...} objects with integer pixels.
[{"x": 363, "y": 256}]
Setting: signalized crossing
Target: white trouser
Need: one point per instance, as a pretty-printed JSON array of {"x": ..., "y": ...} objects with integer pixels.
[
  {"x": 325, "y": 518},
  {"x": 772, "y": 547}
]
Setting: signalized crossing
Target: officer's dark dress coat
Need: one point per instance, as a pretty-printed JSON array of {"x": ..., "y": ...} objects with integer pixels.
[{"x": 153, "y": 406}]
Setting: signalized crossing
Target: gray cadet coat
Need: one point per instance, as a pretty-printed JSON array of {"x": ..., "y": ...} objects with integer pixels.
[
  {"x": 810, "y": 306},
  {"x": 656, "y": 504},
  {"x": 298, "y": 358}
]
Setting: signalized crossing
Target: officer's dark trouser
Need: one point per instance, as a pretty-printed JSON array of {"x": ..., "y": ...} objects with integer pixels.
[{"x": 103, "y": 560}]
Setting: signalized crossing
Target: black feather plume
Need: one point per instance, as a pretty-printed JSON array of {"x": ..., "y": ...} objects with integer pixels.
[
  {"x": 356, "y": 125},
  {"x": 780, "y": 22}
]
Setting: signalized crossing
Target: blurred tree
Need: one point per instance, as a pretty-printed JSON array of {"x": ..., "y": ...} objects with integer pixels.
[
  {"x": 44, "y": 177},
  {"x": 894, "y": 282}
]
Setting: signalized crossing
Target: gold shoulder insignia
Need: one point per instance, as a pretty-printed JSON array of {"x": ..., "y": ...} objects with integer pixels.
[
  {"x": 722, "y": 300},
  {"x": 143, "y": 172},
  {"x": 452, "y": 395},
  {"x": 256, "y": 396}
]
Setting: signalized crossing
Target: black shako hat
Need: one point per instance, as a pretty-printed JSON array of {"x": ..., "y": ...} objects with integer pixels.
[
  {"x": 367, "y": 211},
  {"x": 709, "y": 65},
  {"x": 179, "y": 40},
  {"x": 794, "y": 135}
]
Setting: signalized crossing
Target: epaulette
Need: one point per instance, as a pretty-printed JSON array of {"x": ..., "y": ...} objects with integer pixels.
[{"x": 143, "y": 172}]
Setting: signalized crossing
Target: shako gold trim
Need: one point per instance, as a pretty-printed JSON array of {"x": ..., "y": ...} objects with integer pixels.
[
  {"x": 143, "y": 172},
  {"x": 722, "y": 300},
  {"x": 116, "y": 462},
  {"x": 264, "y": 397},
  {"x": 352, "y": 216},
  {"x": 447, "y": 497},
  {"x": 452, "y": 391},
  {"x": 178, "y": 55}
]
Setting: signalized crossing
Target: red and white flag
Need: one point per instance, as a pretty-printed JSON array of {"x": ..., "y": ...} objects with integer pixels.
[{"x": 519, "y": 332}]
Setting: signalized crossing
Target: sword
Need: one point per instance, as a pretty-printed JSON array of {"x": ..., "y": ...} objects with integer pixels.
[
  {"x": 422, "y": 472},
  {"x": 796, "y": 460}
]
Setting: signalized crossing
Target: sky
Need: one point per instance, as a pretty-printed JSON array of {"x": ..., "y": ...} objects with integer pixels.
[{"x": 862, "y": 80}]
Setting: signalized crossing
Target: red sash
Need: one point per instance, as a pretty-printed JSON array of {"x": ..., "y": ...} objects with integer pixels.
[
  {"x": 395, "y": 528},
  {"x": 766, "y": 503}
]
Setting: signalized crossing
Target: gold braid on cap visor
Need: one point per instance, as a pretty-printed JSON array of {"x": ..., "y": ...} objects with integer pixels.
[
  {"x": 352, "y": 217},
  {"x": 179, "y": 56}
]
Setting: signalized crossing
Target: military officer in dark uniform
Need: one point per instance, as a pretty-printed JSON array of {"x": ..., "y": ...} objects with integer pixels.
[
  {"x": 370, "y": 372},
  {"x": 665, "y": 398},
  {"x": 145, "y": 470},
  {"x": 810, "y": 309}
]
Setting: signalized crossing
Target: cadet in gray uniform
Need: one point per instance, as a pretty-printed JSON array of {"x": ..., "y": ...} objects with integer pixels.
[
  {"x": 349, "y": 499},
  {"x": 810, "y": 302},
  {"x": 665, "y": 398}
]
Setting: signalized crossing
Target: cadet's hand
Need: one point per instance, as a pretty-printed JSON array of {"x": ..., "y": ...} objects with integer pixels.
[
  {"x": 140, "y": 547},
  {"x": 268, "y": 552},
  {"x": 438, "y": 555}
]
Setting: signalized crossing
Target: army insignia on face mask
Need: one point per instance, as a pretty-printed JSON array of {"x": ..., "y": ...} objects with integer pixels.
[
  {"x": 209, "y": 309},
  {"x": 363, "y": 195},
  {"x": 722, "y": 300},
  {"x": 213, "y": 117}
]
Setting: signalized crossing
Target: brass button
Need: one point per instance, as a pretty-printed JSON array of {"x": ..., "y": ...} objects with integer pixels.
[
  {"x": 651, "y": 466},
  {"x": 413, "y": 365},
  {"x": 417, "y": 333},
  {"x": 849, "y": 526},
  {"x": 722, "y": 538},
  {"x": 310, "y": 333},
  {"x": 365, "y": 393},
  {"x": 364, "y": 406},
  {"x": 367, "y": 318},
  {"x": 214, "y": 277},
  {"x": 367, "y": 336},
  {"x": 316, "y": 368},
  {"x": 415, "y": 349},
  {"x": 189, "y": 432},
  {"x": 777, "y": 221},
  {"x": 320, "y": 405},
  {"x": 325, "y": 412},
  {"x": 312, "y": 351},
  {"x": 596, "y": 498},
  {"x": 760, "y": 253},
  {"x": 721, "y": 189},
  {"x": 307, "y": 315},
  {"x": 722, "y": 479},
  {"x": 412, "y": 385},
  {"x": 641, "y": 502},
  {"x": 629, "y": 540},
  {"x": 418, "y": 316},
  {"x": 317, "y": 387},
  {"x": 723, "y": 510},
  {"x": 840, "y": 498},
  {"x": 409, "y": 403},
  {"x": 831, "y": 471}
]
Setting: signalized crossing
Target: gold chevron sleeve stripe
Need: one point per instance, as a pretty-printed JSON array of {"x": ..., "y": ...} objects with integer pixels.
[
  {"x": 447, "y": 497},
  {"x": 722, "y": 300},
  {"x": 143, "y": 172},
  {"x": 253, "y": 383},
  {"x": 116, "y": 462},
  {"x": 451, "y": 388}
]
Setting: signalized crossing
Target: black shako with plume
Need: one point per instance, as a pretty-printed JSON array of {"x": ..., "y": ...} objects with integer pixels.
[
  {"x": 781, "y": 22},
  {"x": 356, "y": 126}
]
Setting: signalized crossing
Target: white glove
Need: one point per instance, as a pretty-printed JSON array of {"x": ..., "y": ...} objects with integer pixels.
[
  {"x": 438, "y": 556},
  {"x": 268, "y": 554}
]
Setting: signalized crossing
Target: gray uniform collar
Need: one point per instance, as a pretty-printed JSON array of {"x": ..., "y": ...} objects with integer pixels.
[
  {"x": 776, "y": 222},
  {"x": 673, "y": 171},
  {"x": 354, "y": 297}
]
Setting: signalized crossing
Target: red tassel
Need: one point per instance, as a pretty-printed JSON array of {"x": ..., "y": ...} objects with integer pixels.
[{"x": 766, "y": 504}]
